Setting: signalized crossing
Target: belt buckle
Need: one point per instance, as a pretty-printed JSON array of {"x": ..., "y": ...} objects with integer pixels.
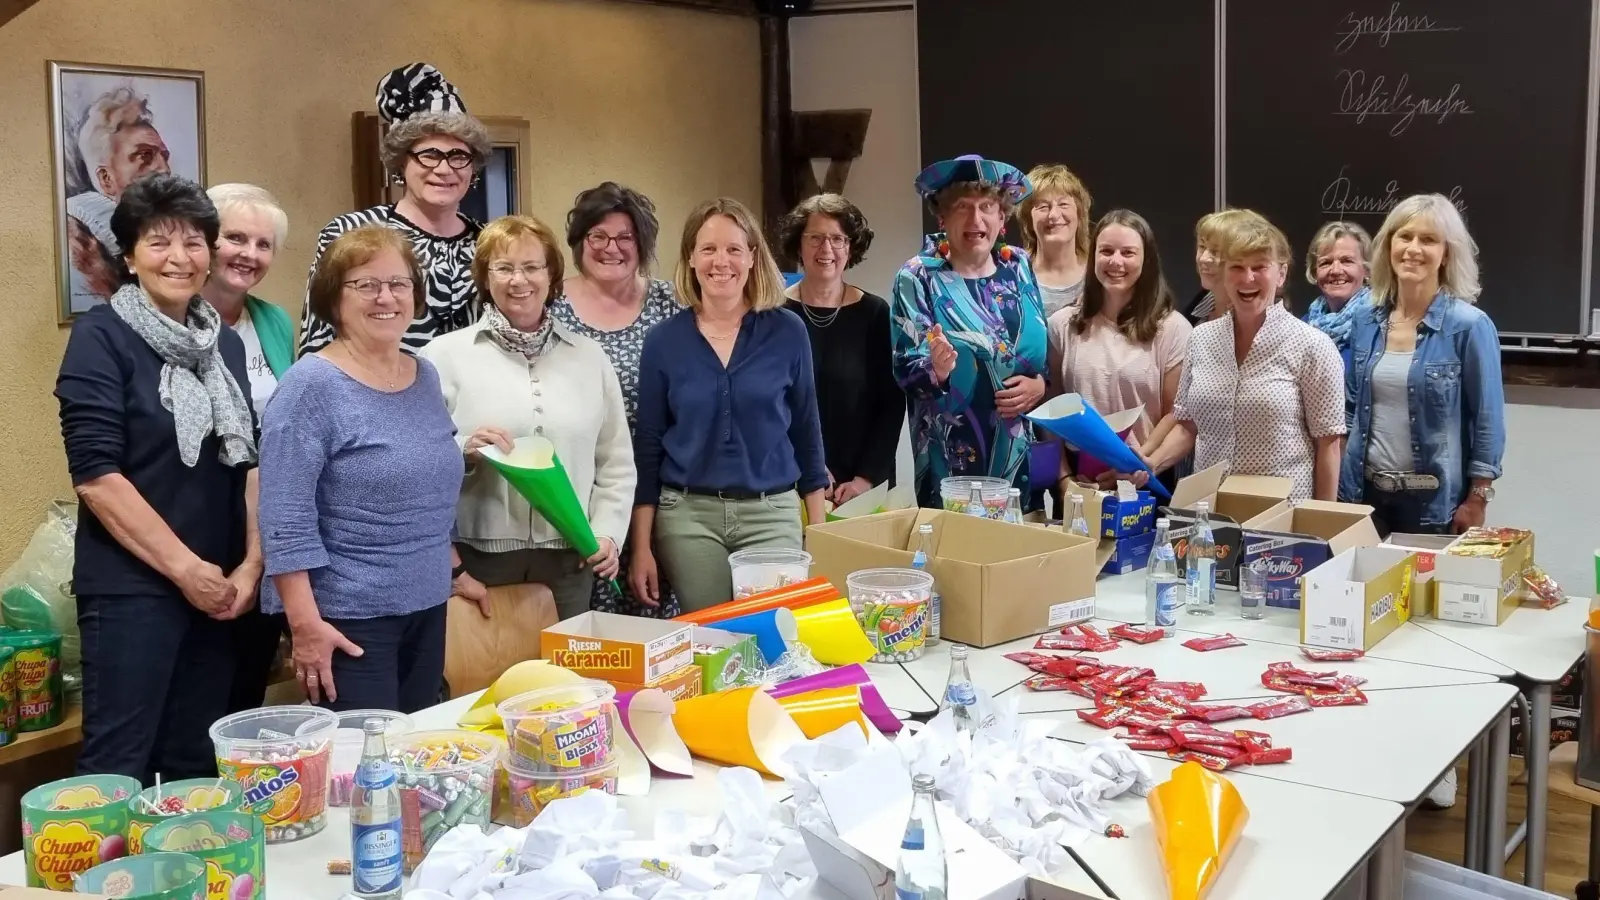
[{"x": 1387, "y": 482}]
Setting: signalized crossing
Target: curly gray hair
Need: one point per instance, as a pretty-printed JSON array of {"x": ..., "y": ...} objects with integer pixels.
[{"x": 403, "y": 135}]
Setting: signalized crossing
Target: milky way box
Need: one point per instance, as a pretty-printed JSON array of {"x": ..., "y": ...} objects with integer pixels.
[{"x": 1300, "y": 538}]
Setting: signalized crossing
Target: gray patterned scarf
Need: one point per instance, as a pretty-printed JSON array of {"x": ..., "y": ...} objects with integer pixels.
[
  {"x": 529, "y": 343},
  {"x": 195, "y": 385}
]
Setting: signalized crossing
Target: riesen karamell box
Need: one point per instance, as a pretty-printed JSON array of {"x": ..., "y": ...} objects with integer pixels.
[{"x": 617, "y": 648}]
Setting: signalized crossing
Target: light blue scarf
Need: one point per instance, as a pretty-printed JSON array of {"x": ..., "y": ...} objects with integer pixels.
[{"x": 1337, "y": 324}]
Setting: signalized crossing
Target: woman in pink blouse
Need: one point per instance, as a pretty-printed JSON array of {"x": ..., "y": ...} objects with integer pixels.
[
  {"x": 1123, "y": 348},
  {"x": 1263, "y": 392}
]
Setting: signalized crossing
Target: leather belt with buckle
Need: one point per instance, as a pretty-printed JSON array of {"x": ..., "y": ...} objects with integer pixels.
[{"x": 1397, "y": 482}]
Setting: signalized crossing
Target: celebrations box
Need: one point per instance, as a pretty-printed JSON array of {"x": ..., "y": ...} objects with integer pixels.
[{"x": 616, "y": 648}]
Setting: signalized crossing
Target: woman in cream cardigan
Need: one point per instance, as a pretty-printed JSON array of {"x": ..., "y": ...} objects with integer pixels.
[{"x": 519, "y": 373}]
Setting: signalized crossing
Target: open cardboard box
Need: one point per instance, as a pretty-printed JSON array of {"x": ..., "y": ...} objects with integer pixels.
[
  {"x": 1357, "y": 598},
  {"x": 997, "y": 581},
  {"x": 1478, "y": 589},
  {"x": 1236, "y": 502},
  {"x": 1303, "y": 537},
  {"x": 611, "y": 647}
]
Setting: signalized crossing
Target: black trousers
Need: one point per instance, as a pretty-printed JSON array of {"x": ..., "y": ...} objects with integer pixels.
[
  {"x": 256, "y": 637},
  {"x": 156, "y": 673},
  {"x": 1400, "y": 511},
  {"x": 401, "y": 666}
]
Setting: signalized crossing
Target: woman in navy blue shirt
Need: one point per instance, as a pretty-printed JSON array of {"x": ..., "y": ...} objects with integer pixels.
[{"x": 728, "y": 443}]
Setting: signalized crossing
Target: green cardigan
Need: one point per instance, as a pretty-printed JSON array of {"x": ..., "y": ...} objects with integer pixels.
[{"x": 276, "y": 332}]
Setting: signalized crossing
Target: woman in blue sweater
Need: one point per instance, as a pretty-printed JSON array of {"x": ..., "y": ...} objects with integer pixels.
[{"x": 360, "y": 475}]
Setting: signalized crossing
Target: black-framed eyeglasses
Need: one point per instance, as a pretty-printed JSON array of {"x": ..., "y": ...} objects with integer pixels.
[
  {"x": 370, "y": 288},
  {"x": 599, "y": 240},
  {"x": 430, "y": 158}
]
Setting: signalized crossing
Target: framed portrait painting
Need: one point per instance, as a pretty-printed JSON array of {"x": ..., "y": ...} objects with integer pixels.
[{"x": 111, "y": 125}]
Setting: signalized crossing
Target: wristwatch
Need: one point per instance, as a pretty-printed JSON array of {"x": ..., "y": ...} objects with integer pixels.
[{"x": 1485, "y": 492}]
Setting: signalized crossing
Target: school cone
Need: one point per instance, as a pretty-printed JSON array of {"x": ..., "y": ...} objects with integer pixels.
[
  {"x": 1198, "y": 818},
  {"x": 827, "y": 710},
  {"x": 534, "y": 469}
]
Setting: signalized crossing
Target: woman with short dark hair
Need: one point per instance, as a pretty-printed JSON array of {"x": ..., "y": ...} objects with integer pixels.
[
  {"x": 613, "y": 301},
  {"x": 160, "y": 442},
  {"x": 860, "y": 403},
  {"x": 436, "y": 150}
]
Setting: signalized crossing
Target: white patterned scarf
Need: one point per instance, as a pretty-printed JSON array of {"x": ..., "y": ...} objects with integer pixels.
[
  {"x": 529, "y": 343},
  {"x": 196, "y": 387}
]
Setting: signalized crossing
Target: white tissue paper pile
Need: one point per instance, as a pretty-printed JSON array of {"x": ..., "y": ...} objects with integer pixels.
[
  {"x": 1025, "y": 792},
  {"x": 581, "y": 848}
]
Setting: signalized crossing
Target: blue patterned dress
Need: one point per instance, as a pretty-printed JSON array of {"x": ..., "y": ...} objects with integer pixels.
[{"x": 996, "y": 325}]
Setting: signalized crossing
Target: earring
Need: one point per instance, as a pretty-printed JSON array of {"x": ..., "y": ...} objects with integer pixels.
[
  {"x": 477, "y": 180},
  {"x": 399, "y": 178}
]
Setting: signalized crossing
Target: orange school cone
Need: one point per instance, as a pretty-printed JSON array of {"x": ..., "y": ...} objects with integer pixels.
[
  {"x": 1198, "y": 818},
  {"x": 820, "y": 712},
  {"x": 741, "y": 727}
]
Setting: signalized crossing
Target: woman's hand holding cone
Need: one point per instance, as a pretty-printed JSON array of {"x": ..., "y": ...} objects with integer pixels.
[
  {"x": 606, "y": 561},
  {"x": 486, "y": 436}
]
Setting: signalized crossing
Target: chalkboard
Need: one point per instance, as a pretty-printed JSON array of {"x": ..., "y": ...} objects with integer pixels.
[
  {"x": 1121, "y": 93},
  {"x": 1341, "y": 108}
]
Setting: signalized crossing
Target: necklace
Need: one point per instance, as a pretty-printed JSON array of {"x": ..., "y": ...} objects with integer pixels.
[
  {"x": 373, "y": 373},
  {"x": 710, "y": 336},
  {"x": 823, "y": 319}
]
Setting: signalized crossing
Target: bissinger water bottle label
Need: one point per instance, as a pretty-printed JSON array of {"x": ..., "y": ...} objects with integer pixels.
[
  {"x": 1167, "y": 603},
  {"x": 377, "y": 858},
  {"x": 961, "y": 695}
]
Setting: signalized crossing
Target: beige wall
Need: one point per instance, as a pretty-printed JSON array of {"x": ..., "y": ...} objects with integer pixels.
[{"x": 662, "y": 99}]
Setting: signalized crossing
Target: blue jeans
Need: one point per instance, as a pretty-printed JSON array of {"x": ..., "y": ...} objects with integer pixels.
[
  {"x": 156, "y": 673},
  {"x": 401, "y": 666},
  {"x": 1400, "y": 511}
]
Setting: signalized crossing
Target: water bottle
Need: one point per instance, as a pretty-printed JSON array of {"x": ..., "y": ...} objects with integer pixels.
[
  {"x": 1079, "y": 524},
  {"x": 975, "y": 505},
  {"x": 960, "y": 697},
  {"x": 1014, "y": 506},
  {"x": 922, "y": 873},
  {"x": 1161, "y": 584},
  {"x": 919, "y": 561},
  {"x": 1201, "y": 563},
  {"x": 375, "y": 821}
]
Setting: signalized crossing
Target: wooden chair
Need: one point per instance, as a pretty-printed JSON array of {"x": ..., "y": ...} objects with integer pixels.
[
  {"x": 478, "y": 650},
  {"x": 1563, "y": 781}
]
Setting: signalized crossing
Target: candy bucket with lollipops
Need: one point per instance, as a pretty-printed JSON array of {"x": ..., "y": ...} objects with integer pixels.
[
  {"x": 153, "y": 876},
  {"x": 348, "y": 741},
  {"x": 154, "y": 805},
  {"x": 892, "y": 607},
  {"x": 72, "y": 825},
  {"x": 757, "y": 571},
  {"x": 280, "y": 755}
]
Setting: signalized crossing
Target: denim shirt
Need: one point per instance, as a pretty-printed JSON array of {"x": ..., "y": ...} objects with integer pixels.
[{"x": 1457, "y": 402}]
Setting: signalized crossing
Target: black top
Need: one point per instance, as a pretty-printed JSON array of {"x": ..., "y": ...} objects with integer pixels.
[
  {"x": 861, "y": 404},
  {"x": 112, "y": 420}
]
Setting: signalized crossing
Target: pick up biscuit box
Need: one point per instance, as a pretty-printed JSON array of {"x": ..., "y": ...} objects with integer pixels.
[
  {"x": 1236, "y": 501},
  {"x": 1297, "y": 540},
  {"x": 616, "y": 648},
  {"x": 723, "y": 657},
  {"x": 1357, "y": 598}
]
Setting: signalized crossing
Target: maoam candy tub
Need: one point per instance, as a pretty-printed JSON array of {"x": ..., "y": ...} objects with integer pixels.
[
  {"x": 72, "y": 825},
  {"x": 280, "y": 755}
]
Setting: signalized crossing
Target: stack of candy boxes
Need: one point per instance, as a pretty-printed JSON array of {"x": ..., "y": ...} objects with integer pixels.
[{"x": 1131, "y": 524}]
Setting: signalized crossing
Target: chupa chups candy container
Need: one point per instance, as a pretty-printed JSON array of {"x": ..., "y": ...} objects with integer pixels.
[
  {"x": 153, "y": 876},
  {"x": 8, "y": 695},
  {"x": 230, "y": 844},
  {"x": 41, "y": 702},
  {"x": 446, "y": 779},
  {"x": 154, "y": 805},
  {"x": 347, "y": 743},
  {"x": 892, "y": 607},
  {"x": 70, "y": 826},
  {"x": 280, "y": 755}
]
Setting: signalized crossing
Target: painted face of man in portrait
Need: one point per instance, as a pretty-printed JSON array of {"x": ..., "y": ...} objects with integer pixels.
[{"x": 137, "y": 150}]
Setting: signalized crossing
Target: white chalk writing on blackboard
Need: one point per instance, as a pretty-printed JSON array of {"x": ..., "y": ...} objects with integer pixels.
[
  {"x": 1360, "y": 96},
  {"x": 1353, "y": 27},
  {"x": 1341, "y": 198}
]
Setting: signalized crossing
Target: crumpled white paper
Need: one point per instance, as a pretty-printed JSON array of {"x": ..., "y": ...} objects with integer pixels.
[
  {"x": 580, "y": 848},
  {"x": 1029, "y": 794}
]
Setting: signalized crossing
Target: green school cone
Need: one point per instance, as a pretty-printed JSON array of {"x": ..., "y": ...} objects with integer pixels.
[{"x": 533, "y": 468}]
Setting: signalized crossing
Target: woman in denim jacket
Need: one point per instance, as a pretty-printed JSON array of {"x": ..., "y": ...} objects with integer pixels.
[{"x": 1424, "y": 399}]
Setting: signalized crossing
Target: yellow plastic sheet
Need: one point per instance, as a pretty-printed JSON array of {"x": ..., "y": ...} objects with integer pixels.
[
  {"x": 741, "y": 727},
  {"x": 528, "y": 675},
  {"x": 820, "y": 712},
  {"x": 831, "y": 631},
  {"x": 1198, "y": 818}
]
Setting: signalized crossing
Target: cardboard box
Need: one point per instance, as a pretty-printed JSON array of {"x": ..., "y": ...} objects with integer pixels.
[
  {"x": 618, "y": 648},
  {"x": 679, "y": 685},
  {"x": 1357, "y": 598},
  {"x": 1565, "y": 725},
  {"x": 734, "y": 656},
  {"x": 1425, "y": 546},
  {"x": 1129, "y": 554},
  {"x": 1480, "y": 590},
  {"x": 1303, "y": 537},
  {"x": 997, "y": 581},
  {"x": 1236, "y": 501}
]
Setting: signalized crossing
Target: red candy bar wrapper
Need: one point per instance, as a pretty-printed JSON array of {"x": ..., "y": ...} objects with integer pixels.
[
  {"x": 1216, "y": 642},
  {"x": 1091, "y": 631},
  {"x": 1254, "y": 741},
  {"x": 1125, "y": 676},
  {"x": 1061, "y": 642},
  {"x": 1137, "y": 719},
  {"x": 1323, "y": 654},
  {"x": 1147, "y": 741},
  {"x": 1138, "y": 635},
  {"x": 1026, "y": 657},
  {"x": 1351, "y": 697},
  {"x": 1159, "y": 707},
  {"x": 1187, "y": 690},
  {"x": 1214, "y": 763},
  {"x": 1270, "y": 756},
  {"x": 1188, "y": 732},
  {"x": 1232, "y": 752},
  {"x": 1107, "y": 717},
  {"x": 1279, "y": 706},
  {"x": 1543, "y": 591},
  {"x": 1050, "y": 683},
  {"x": 1215, "y": 712}
]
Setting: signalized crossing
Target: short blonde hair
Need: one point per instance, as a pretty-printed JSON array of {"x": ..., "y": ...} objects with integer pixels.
[
  {"x": 1330, "y": 233},
  {"x": 357, "y": 247},
  {"x": 496, "y": 240},
  {"x": 1208, "y": 230},
  {"x": 1050, "y": 180},
  {"x": 234, "y": 197},
  {"x": 1245, "y": 232},
  {"x": 1458, "y": 274},
  {"x": 763, "y": 290}
]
